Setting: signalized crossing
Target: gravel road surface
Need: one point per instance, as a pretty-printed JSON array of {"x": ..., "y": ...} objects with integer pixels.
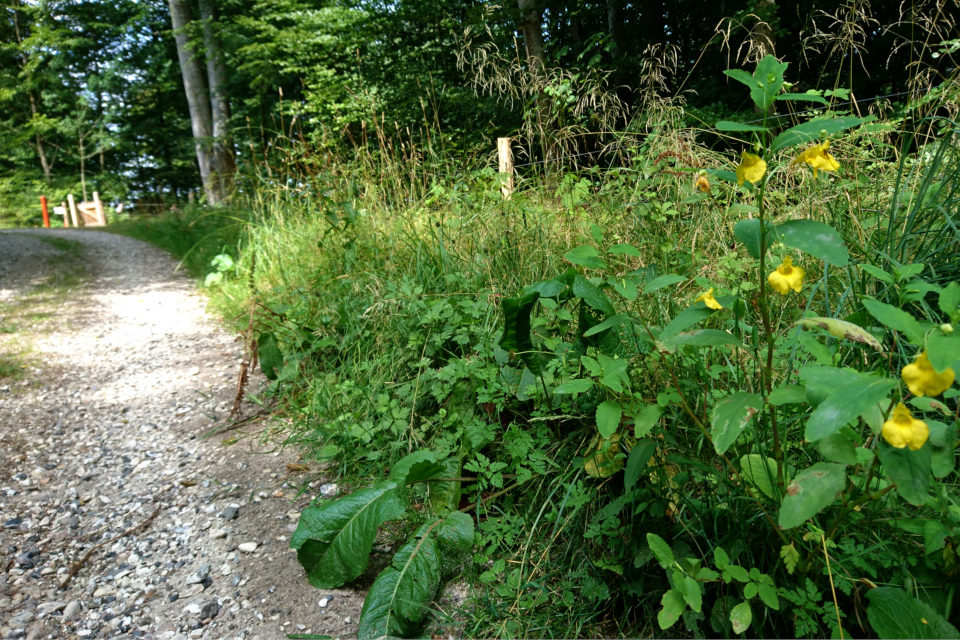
[{"x": 111, "y": 373}]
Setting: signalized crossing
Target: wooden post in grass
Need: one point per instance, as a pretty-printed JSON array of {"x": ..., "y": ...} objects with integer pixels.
[
  {"x": 101, "y": 215},
  {"x": 46, "y": 214},
  {"x": 73, "y": 210},
  {"x": 62, "y": 212},
  {"x": 505, "y": 155}
]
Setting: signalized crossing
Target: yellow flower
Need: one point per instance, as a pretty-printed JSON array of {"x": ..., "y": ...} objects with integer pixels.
[
  {"x": 903, "y": 430},
  {"x": 751, "y": 168},
  {"x": 708, "y": 299},
  {"x": 818, "y": 158},
  {"x": 786, "y": 277},
  {"x": 923, "y": 380},
  {"x": 702, "y": 183}
]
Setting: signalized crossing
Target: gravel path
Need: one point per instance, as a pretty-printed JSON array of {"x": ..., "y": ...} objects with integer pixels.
[{"x": 117, "y": 373}]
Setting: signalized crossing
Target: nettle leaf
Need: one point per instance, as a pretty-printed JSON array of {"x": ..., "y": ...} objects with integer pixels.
[
  {"x": 730, "y": 417},
  {"x": 808, "y": 132},
  {"x": 270, "y": 356},
  {"x": 843, "y": 330},
  {"x": 609, "y": 414},
  {"x": 845, "y": 405},
  {"x": 399, "y": 598},
  {"x": 816, "y": 238},
  {"x": 586, "y": 256},
  {"x": 811, "y": 491},
  {"x": 894, "y": 613},
  {"x": 896, "y": 319},
  {"x": 909, "y": 470},
  {"x": 333, "y": 541},
  {"x": 516, "y": 329}
]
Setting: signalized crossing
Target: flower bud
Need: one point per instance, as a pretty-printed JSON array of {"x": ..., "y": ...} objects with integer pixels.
[{"x": 947, "y": 328}]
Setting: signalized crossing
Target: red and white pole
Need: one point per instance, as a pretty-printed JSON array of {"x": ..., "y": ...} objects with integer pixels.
[{"x": 46, "y": 216}]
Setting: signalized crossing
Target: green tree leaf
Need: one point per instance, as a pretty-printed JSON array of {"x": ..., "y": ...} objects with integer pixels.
[
  {"x": 811, "y": 491},
  {"x": 845, "y": 405},
  {"x": 894, "y": 613},
  {"x": 896, "y": 319},
  {"x": 609, "y": 414},
  {"x": 740, "y": 617},
  {"x": 816, "y": 238},
  {"x": 333, "y": 541},
  {"x": 637, "y": 462},
  {"x": 843, "y": 330},
  {"x": 586, "y": 256},
  {"x": 730, "y": 417},
  {"x": 268, "y": 352},
  {"x": 909, "y": 470},
  {"x": 811, "y": 131},
  {"x": 673, "y": 605}
]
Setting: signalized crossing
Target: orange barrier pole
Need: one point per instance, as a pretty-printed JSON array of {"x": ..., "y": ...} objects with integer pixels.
[{"x": 46, "y": 216}]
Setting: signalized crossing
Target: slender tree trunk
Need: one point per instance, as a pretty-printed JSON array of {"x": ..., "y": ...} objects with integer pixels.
[
  {"x": 616, "y": 27},
  {"x": 219, "y": 101},
  {"x": 197, "y": 98},
  {"x": 531, "y": 20}
]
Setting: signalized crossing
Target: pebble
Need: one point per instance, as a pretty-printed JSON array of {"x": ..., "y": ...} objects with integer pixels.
[
  {"x": 217, "y": 534},
  {"x": 328, "y": 490},
  {"x": 200, "y": 574},
  {"x": 325, "y": 600},
  {"x": 231, "y": 512},
  {"x": 247, "y": 547},
  {"x": 72, "y": 610}
]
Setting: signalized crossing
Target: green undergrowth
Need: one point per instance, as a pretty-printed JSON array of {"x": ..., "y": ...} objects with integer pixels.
[{"x": 449, "y": 352}]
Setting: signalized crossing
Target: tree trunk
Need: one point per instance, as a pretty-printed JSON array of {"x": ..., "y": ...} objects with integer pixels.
[
  {"x": 197, "y": 98},
  {"x": 531, "y": 21},
  {"x": 219, "y": 102},
  {"x": 615, "y": 27}
]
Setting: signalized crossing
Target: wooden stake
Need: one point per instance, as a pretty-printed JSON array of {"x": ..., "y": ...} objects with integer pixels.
[
  {"x": 73, "y": 210},
  {"x": 101, "y": 216},
  {"x": 66, "y": 224},
  {"x": 505, "y": 155}
]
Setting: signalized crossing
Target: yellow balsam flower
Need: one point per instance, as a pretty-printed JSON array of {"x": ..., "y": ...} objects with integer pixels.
[
  {"x": 708, "y": 299},
  {"x": 786, "y": 277},
  {"x": 702, "y": 183},
  {"x": 903, "y": 430},
  {"x": 923, "y": 380},
  {"x": 818, "y": 158},
  {"x": 752, "y": 168}
]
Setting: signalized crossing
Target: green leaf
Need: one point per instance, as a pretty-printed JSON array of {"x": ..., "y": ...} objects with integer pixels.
[
  {"x": 896, "y": 319},
  {"x": 624, "y": 250},
  {"x": 760, "y": 472},
  {"x": 663, "y": 281},
  {"x": 740, "y": 617},
  {"x": 726, "y": 125},
  {"x": 720, "y": 558},
  {"x": 943, "y": 351},
  {"x": 748, "y": 232},
  {"x": 673, "y": 605},
  {"x": 802, "y": 97},
  {"x": 614, "y": 371},
  {"x": 790, "y": 557},
  {"x": 838, "y": 448},
  {"x": 790, "y": 394},
  {"x": 609, "y": 414},
  {"x": 843, "y": 330},
  {"x": 811, "y": 491},
  {"x": 516, "y": 329},
  {"x": 401, "y": 472},
  {"x": 894, "y": 613},
  {"x": 811, "y": 131},
  {"x": 741, "y": 76},
  {"x": 765, "y": 83},
  {"x": 637, "y": 462},
  {"x": 399, "y": 598},
  {"x": 822, "y": 381},
  {"x": 445, "y": 496},
  {"x": 730, "y": 417},
  {"x": 703, "y": 338},
  {"x": 845, "y": 405},
  {"x": 661, "y": 551},
  {"x": 268, "y": 352},
  {"x": 691, "y": 594},
  {"x": 586, "y": 256},
  {"x": 646, "y": 419},
  {"x": 738, "y": 573},
  {"x": 909, "y": 470},
  {"x": 592, "y": 295},
  {"x": 816, "y": 238},
  {"x": 578, "y": 385},
  {"x": 686, "y": 318},
  {"x": 609, "y": 323},
  {"x": 877, "y": 273},
  {"x": 949, "y": 301},
  {"x": 333, "y": 541},
  {"x": 768, "y": 594},
  {"x": 943, "y": 455}
]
